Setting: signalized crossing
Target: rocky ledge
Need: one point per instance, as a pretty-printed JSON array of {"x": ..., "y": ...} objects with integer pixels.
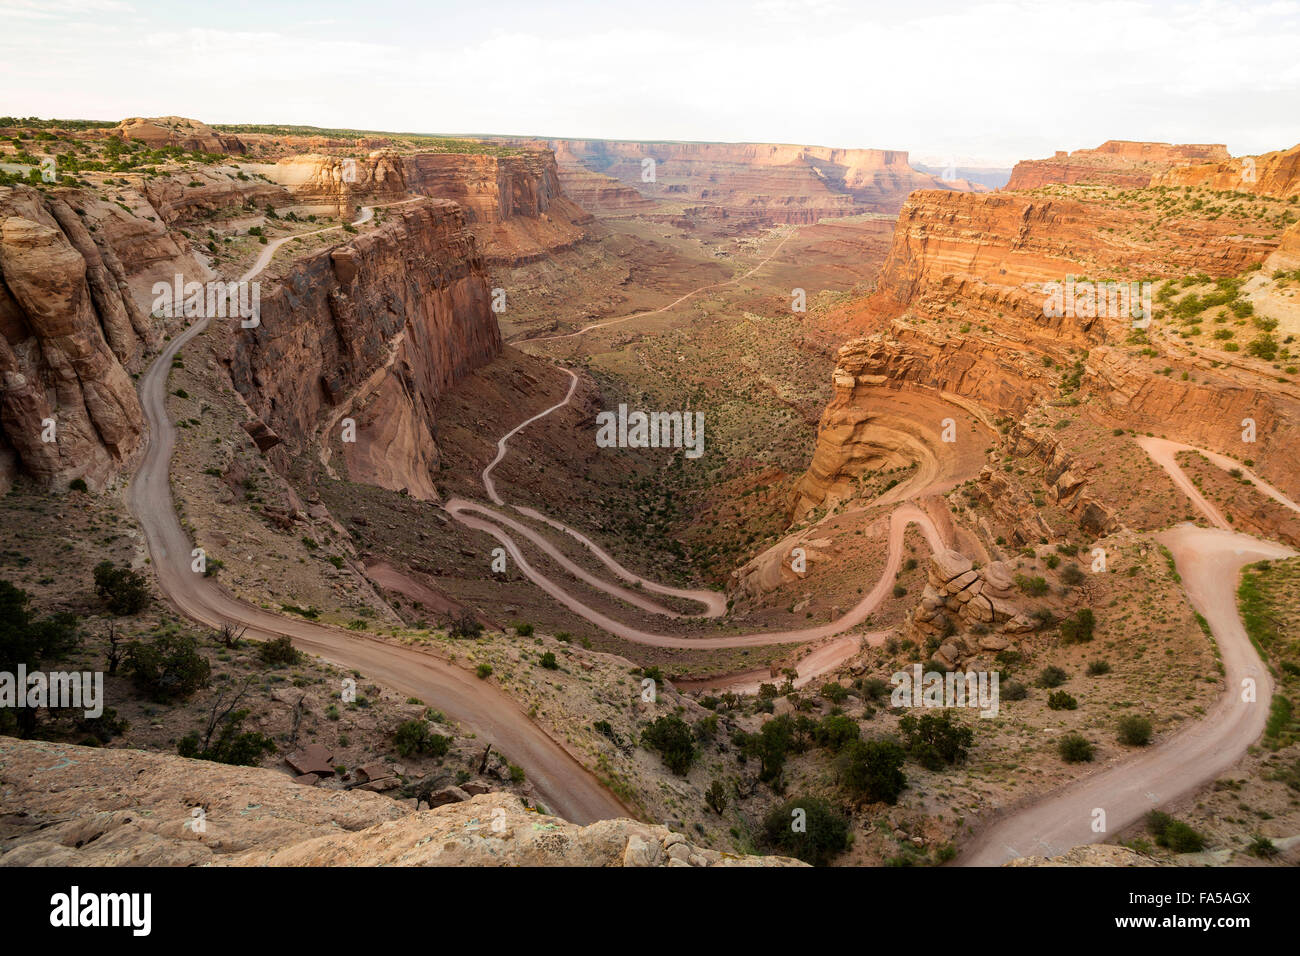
[{"x": 79, "y": 806}]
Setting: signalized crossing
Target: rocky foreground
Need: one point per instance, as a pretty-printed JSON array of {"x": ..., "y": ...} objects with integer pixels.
[{"x": 65, "y": 805}]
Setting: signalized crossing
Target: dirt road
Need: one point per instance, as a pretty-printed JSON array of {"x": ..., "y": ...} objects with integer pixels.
[
  {"x": 1208, "y": 560},
  {"x": 562, "y": 783}
]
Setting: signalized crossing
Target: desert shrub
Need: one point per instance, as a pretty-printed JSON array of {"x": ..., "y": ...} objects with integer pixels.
[
  {"x": 771, "y": 745},
  {"x": 549, "y": 662},
  {"x": 671, "y": 738},
  {"x": 1062, "y": 700},
  {"x": 1033, "y": 586},
  {"x": 484, "y": 671},
  {"x": 1073, "y": 748},
  {"x": 523, "y": 629},
  {"x": 414, "y": 739},
  {"x": 167, "y": 667},
  {"x": 1052, "y": 676},
  {"x": 279, "y": 652},
  {"x": 874, "y": 689},
  {"x": 1013, "y": 690},
  {"x": 935, "y": 739},
  {"x": 24, "y": 639},
  {"x": 1134, "y": 731},
  {"x": 1174, "y": 834},
  {"x": 123, "y": 590},
  {"x": 873, "y": 770},
  {"x": 825, "y": 831},
  {"x": 835, "y": 692},
  {"x": 1078, "y": 627},
  {"x": 466, "y": 625},
  {"x": 835, "y": 732},
  {"x": 233, "y": 745},
  {"x": 716, "y": 797},
  {"x": 1097, "y": 668},
  {"x": 1072, "y": 575}
]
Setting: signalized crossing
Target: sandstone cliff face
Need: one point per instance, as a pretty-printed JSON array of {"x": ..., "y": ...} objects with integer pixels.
[
  {"x": 758, "y": 183},
  {"x": 959, "y": 308},
  {"x": 69, "y": 328},
  {"x": 1113, "y": 163},
  {"x": 514, "y": 204},
  {"x": 375, "y": 330},
  {"x": 1274, "y": 174},
  {"x": 188, "y": 134},
  {"x": 182, "y": 197},
  {"x": 81, "y": 806}
]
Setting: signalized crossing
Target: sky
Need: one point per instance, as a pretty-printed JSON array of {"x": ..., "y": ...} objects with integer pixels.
[{"x": 968, "y": 83}]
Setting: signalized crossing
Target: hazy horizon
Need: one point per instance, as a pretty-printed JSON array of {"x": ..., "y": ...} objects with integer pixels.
[{"x": 980, "y": 84}]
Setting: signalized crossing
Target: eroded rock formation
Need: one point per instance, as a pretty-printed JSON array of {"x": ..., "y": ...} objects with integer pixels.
[
  {"x": 69, "y": 330},
  {"x": 375, "y": 330},
  {"x": 1113, "y": 163}
]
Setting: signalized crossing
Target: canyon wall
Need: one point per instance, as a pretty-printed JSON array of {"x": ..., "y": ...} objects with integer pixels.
[
  {"x": 73, "y": 272},
  {"x": 374, "y": 330},
  {"x": 1274, "y": 174},
  {"x": 514, "y": 203},
  {"x": 758, "y": 183},
  {"x": 1113, "y": 163},
  {"x": 959, "y": 309}
]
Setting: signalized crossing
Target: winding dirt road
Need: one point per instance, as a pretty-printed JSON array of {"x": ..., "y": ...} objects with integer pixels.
[
  {"x": 1208, "y": 560},
  {"x": 563, "y": 784}
]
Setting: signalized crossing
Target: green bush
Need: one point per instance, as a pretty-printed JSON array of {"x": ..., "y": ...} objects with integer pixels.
[
  {"x": 523, "y": 629},
  {"x": 484, "y": 671},
  {"x": 1013, "y": 690},
  {"x": 233, "y": 745},
  {"x": 170, "y": 666},
  {"x": 549, "y": 662},
  {"x": 1174, "y": 834},
  {"x": 835, "y": 692},
  {"x": 1052, "y": 676},
  {"x": 123, "y": 590},
  {"x": 279, "y": 652},
  {"x": 414, "y": 739},
  {"x": 873, "y": 770},
  {"x": 935, "y": 739},
  {"x": 1097, "y": 668},
  {"x": 1078, "y": 628},
  {"x": 825, "y": 831},
  {"x": 467, "y": 625},
  {"x": 1073, "y": 748},
  {"x": 1134, "y": 731},
  {"x": 836, "y": 731},
  {"x": 1062, "y": 700},
  {"x": 671, "y": 738}
]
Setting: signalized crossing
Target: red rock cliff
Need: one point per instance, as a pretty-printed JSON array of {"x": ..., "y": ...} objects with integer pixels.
[{"x": 375, "y": 330}]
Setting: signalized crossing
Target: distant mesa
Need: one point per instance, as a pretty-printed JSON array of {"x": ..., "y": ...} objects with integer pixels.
[{"x": 1115, "y": 162}]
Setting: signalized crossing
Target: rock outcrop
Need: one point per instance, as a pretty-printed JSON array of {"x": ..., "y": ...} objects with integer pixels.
[
  {"x": 1275, "y": 174},
  {"x": 187, "y": 134},
  {"x": 968, "y": 609},
  {"x": 69, "y": 328},
  {"x": 80, "y": 806},
  {"x": 1113, "y": 163},
  {"x": 375, "y": 330},
  {"x": 513, "y": 202}
]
